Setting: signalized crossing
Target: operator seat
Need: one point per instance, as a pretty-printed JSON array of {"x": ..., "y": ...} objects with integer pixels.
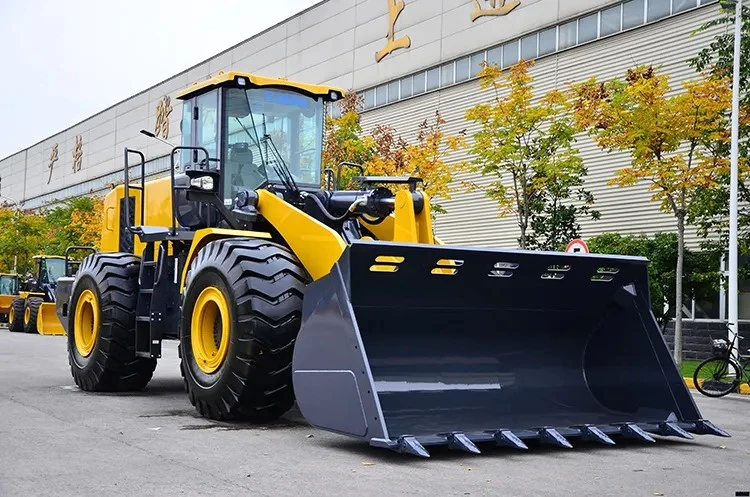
[{"x": 242, "y": 168}]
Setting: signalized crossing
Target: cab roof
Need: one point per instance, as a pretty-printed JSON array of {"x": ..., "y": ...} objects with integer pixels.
[
  {"x": 48, "y": 257},
  {"x": 234, "y": 79}
]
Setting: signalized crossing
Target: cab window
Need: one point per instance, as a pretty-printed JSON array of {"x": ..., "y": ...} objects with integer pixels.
[{"x": 207, "y": 127}]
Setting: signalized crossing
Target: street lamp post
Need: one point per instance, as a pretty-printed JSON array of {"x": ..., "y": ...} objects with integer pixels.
[{"x": 733, "y": 256}]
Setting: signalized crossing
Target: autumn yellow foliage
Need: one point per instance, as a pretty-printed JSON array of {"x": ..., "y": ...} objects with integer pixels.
[{"x": 384, "y": 152}]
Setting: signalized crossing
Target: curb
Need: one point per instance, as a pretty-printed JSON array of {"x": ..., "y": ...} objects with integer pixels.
[{"x": 744, "y": 387}]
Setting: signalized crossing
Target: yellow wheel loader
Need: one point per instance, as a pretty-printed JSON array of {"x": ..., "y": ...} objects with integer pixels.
[
  {"x": 33, "y": 310},
  {"x": 8, "y": 291},
  {"x": 278, "y": 290}
]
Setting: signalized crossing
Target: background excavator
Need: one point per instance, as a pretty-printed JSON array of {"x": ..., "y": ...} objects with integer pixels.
[{"x": 345, "y": 302}]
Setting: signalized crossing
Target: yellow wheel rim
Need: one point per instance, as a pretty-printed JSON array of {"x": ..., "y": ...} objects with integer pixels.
[
  {"x": 27, "y": 315},
  {"x": 86, "y": 323},
  {"x": 209, "y": 330},
  {"x": 11, "y": 315}
]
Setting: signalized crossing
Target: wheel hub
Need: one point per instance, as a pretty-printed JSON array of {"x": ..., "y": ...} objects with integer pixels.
[
  {"x": 209, "y": 330},
  {"x": 86, "y": 323}
]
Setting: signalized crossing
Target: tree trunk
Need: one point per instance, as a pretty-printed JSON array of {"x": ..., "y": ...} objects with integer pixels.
[{"x": 678, "y": 290}]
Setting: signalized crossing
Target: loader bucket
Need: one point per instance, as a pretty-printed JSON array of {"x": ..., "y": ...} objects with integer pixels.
[
  {"x": 47, "y": 322},
  {"x": 408, "y": 346}
]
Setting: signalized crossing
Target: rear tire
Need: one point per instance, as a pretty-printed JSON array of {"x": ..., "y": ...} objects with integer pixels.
[
  {"x": 249, "y": 377},
  {"x": 15, "y": 318},
  {"x": 101, "y": 326},
  {"x": 31, "y": 313},
  {"x": 716, "y": 377}
]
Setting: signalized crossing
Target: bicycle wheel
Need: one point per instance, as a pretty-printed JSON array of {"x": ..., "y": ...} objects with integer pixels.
[{"x": 716, "y": 377}]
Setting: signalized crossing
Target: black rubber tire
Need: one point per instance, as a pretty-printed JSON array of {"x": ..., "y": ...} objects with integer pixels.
[
  {"x": 711, "y": 365},
  {"x": 16, "y": 325},
  {"x": 264, "y": 285},
  {"x": 32, "y": 303},
  {"x": 112, "y": 365}
]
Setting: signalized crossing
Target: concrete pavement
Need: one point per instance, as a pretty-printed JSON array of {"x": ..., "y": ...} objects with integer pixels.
[{"x": 56, "y": 440}]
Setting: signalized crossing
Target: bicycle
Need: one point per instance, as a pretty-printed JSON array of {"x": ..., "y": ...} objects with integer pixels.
[{"x": 722, "y": 374}]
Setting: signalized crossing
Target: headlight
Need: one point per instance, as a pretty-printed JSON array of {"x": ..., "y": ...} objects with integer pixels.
[{"x": 203, "y": 182}]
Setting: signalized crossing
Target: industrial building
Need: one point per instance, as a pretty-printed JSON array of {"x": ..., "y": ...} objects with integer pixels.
[{"x": 407, "y": 59}]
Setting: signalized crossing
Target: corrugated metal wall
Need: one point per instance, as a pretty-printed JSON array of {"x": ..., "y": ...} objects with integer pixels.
[{"x": 473, "y": 219}]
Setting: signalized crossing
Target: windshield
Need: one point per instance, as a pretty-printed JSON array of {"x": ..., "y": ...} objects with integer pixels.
[
  {"x": 8, "y": 285},
  {"x": 55, "y": 269},
  {"x": 286, "y": 120}
]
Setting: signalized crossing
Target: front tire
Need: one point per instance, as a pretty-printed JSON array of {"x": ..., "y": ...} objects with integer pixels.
[
  {"x": 101, "y": 326},
  {"x": 241, "y": 312},
  {"x": 31, "y": 313},
  {"x": 15, "y": 317}
]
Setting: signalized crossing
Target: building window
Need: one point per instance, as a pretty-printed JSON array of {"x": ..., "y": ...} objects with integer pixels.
[
  {"x": 381, "y": 93},
  {"x": 510, "y": 53},
  {"x": 369, "y": 99},
  {"x": 632, "y": 14},
  {"x": 588, "y": 28},
  {"x": 406, "y": 87},
  {"x": 657, "y": 9},
  {"x": 547, "y": 41},
  {"x": 495, "y": 56},
  {"x": 528, "y": 47},
  {"x": 433, "y": 79},
  {"x": 610, "y": 22},
  {"x": 392, "y": 91},
  {"x": 419, "y": 83},
  {"x": 476, "y": 63},
  {"x": 462, "y": 69},
  {"x": 567, "y": 35},
  {"x": 446, "y": 74},
  {"x": 680, "y": 5}
]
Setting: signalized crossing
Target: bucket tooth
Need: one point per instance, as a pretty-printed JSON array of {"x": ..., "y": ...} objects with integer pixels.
[
  {"x": 410, "y": 445},
  {"x": 668, "y": 428},
  {"x": 592, "y": 433},
  {"x": 459, "y": 441},
  {"x": 551, "y": 436},
  {"x": 632, "y": 430},
  {"x": 705, "y": 427},
  {"x": 507, "y": 438}
]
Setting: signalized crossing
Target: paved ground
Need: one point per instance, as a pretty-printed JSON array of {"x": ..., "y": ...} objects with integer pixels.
[{"x": 56, "y": 440}]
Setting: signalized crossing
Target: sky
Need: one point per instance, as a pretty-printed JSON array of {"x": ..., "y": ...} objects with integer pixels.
[{"x": 63, "y": 61}]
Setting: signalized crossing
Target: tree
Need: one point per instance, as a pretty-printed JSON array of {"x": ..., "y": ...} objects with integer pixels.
[
  {"x": 701, "y": 268},
  {"x": 677, "y": 143},
  {"x": 385, "y": 152},
  {"x": 343, "y": 140},
  {"x": 527, "y": 148},
  {"x": 76, "y": 221},
  {"x": 710, "y": 212},
  {"x": 426, "y": 158},
  {"x": 22, "y": 235}
]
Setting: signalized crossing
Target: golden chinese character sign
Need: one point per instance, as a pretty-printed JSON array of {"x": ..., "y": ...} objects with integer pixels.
[
  {"x": 496, "y": 8},
  {"x": 394, "y": 10},
  {"x": 162, "y": 117},
  {"x": 52, "y": 160},
  {"x": 77, "y": 153}
]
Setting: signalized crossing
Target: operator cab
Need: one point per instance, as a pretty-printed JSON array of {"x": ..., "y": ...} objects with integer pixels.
[{"x": 259, "y": 132}]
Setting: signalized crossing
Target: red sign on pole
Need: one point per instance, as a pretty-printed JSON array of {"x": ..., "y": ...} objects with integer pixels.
[{"x": 577, "y": 246}]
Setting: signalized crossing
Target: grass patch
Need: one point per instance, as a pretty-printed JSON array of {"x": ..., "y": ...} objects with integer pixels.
[{"x": 688, "y": 367}]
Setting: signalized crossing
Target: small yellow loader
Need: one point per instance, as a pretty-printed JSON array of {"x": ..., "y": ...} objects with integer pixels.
[
  {"x": 8, "y": 291},
  {"x": 33, "y": 309}
]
